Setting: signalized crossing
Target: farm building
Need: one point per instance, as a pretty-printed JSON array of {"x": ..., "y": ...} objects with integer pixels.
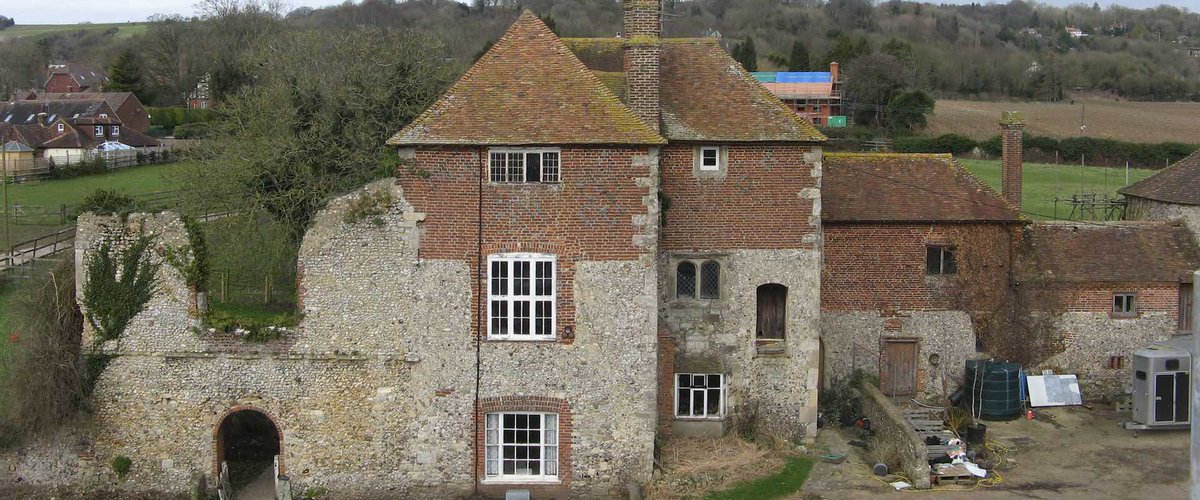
[{"x": 1172, "y": 194}]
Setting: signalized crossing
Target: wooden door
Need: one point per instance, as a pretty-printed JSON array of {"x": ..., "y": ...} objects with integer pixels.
[
  {"x": 898, "y": 370},
  {"x": 1185, "y": 307}
]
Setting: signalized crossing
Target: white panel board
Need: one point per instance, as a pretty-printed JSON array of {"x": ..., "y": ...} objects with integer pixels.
[{"x": 1054, "y": 390}]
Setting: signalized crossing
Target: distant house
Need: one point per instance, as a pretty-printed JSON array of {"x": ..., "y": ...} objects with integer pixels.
[
  {"x": 1075, "y": 32},
  {"x": 1171, "y": 194},
  {"x": 1031, "y": 32},
  {"x": 199, "y": 97},
  {"x": 67, "y": 130},
  {"x": 814, "y": 95},
  {"x": 1194, "y": 51},
  {"x": 128, "y": 107},
  {"x": 75, "y": 77}
]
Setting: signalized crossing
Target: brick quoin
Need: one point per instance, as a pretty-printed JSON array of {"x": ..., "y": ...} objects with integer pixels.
[
  {"x": 756, "y": 205},
  {"x": 882, "y": 266},
  {"x": 588, "y": 216},
  {"x": 219, "y": 453},
  {"x": 541, "y": 404}
]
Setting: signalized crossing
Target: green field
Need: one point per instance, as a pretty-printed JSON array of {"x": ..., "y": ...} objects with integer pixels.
[
  {"x": 124, "y": 30},
  {"x": 48, "y": 196},
  {"x": 1042, "y": 182}
]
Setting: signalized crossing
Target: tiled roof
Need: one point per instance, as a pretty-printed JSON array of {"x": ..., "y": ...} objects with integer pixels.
[
  {"x": 114, "y": 99},
  {"x": 705, "y": 94},
  {"x": 893, "y": 187},
  {"x": 25, "y": 112},
  {"x": 1179, "y": 183},
  {"x": 1161, "y": 251},
  {"x": 84, "y": 74},
  {"x": 528, "y": 89}
]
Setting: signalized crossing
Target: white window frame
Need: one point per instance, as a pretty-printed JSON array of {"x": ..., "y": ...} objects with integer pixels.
[
  {"x": 494, "y": 448},
  {"x": 509, "y": 174},
  {"x": 702, "y": 392},
  {"x": 116, "y": 130},
  {"x": 99, "y": 130},
  {"x": 60, "y": 127},
  {"x": 705, "y": 167},
  {"x": 512, "y": 301}
]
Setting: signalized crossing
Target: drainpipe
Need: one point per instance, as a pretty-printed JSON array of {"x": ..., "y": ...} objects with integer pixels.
[{"x": 479, "y": 305}]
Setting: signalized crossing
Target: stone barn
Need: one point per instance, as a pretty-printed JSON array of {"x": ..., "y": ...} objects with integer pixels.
[{"x": 1171, "y": 194}]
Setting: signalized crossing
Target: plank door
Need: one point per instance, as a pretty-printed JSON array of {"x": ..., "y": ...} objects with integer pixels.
[{"x": 898, "y": 372}]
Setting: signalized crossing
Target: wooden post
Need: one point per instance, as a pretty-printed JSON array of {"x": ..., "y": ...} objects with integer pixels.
[
  {"x": 62, "y": 214},
  {"x": 266, "y": 289},
  {"x": 224, "y": 284}
]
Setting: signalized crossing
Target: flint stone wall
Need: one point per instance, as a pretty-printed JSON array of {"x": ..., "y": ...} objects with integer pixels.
[
  {"x": 718, "y": 336},
  {"x": 1146, "y": 209},
  {"x": 374, "y": 392},
  {"x": 853, "y": 340},
  {"x": 1090, "y": 339}
]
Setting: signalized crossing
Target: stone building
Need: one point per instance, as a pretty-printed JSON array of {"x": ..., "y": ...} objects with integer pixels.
[
  {"x": 915, "y": 248},
  {"x": 1171, "y": 194},
  {"x": 1112, "y": 289}
]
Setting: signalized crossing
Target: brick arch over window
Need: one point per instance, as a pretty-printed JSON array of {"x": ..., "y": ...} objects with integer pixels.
[
  {"x": 542, "y": 404},
  {"x": 218, "y": 445}
]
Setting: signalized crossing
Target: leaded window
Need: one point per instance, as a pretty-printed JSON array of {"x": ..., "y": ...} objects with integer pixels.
[
  {"x": 706, "y": 284},
  {"x": 685, "y": 280}
]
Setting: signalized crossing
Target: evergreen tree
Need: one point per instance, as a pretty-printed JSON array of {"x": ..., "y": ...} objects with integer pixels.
[
  {"x": 125, "y": 75},
  {"x": 799, "y": 60},
  {"x": 746, "y": 54}
]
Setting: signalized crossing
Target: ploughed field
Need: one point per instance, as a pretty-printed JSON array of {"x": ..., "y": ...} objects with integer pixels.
[{"x": 1121, "y": 120}]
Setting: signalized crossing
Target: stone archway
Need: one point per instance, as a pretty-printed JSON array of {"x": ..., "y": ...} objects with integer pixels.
[{"x": 249, "y": 440}]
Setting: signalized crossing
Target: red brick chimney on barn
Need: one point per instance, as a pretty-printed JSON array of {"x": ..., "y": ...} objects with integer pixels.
[
  {"x": 642, "y": 39},
  {"x": 1012, "y": 125}
]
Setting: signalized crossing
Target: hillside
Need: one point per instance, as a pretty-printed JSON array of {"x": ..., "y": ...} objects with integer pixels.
[
  {"x": 123, "y": 30},
  {"x": 1121, "y": 120}
]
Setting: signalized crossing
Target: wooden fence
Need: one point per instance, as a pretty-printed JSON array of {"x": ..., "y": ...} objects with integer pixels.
[
  {"x": 251, "y": 288},
  {"x": 18, "y": 169}
]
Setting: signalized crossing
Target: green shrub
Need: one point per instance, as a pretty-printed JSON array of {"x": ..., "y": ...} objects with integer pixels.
[
  {"x": 191, "y": 131},
  {"x": 108, "y": 202},
  {"x": 169, "y": 118},
  {"x": 840, "y": 401},
  {"x": 121, "y": 465},
  {"x": 945, "y": 143}
]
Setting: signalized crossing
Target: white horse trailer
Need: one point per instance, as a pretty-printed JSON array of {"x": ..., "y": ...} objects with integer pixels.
[{"x": 1162, "y": 385}]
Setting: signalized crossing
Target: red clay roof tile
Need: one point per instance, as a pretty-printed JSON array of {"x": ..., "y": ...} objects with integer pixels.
[{"x": 1179, "y": 183}]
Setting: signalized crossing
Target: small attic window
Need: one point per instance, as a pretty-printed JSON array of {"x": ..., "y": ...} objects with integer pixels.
[
  {"x": 710, "y": 158},
  {"x": 60, "y": 127}
]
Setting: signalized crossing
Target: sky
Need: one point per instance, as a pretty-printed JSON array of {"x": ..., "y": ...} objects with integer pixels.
[{"x": 78, "y": 11}]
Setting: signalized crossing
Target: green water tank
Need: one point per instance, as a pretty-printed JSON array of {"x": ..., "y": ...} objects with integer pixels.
[
  {"x": 993, "y": 389},
  {"x": 837, "y": 121}
]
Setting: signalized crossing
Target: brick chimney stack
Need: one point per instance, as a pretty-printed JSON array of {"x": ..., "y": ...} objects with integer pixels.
[
  {"x": 1012, "y": 125},
  {"x": 642, "y": 40}
]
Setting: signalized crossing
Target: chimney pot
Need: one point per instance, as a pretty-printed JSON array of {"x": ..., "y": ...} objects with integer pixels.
[{"x": 1012, "y": 126}]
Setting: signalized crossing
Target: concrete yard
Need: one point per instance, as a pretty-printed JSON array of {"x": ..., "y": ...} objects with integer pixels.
[{"x": 1064, "y": 453}]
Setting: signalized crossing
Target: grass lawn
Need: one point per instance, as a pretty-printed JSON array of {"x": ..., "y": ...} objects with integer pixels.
[
  {"x": 48, "y": 195},
  {"x": 1042, "y": 182},
  {"x": 780, "y": 484}
]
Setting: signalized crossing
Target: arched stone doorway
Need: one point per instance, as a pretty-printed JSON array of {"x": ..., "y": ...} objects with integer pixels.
[{"x": 248, "y": 440}]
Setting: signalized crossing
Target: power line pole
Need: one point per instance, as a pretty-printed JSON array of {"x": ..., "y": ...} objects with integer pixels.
[{"x": 4, "y": 181}]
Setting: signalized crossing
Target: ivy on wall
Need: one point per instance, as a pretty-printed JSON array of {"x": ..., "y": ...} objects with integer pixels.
[{"x": 117, "y": 287}]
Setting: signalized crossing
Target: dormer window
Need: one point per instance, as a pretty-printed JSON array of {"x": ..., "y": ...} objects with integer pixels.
[
  {"x": 60, "y": 128},
  {"x": 103, "y": 115},
  {"x": 116, "y": 130},
  {"x": 99, "y": 129},
  {"x": 526, "y": 165}
]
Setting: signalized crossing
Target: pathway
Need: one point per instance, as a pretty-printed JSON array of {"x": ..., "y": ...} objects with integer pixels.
[{"x": 262, "y": 488}]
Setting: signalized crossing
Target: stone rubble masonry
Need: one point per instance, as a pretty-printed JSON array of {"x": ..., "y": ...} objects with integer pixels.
[
  {"x": 1092, "y": 335},
  {"x": 890, "y": 426},
  {"x": 853, "y": 340},
  {"x": 166, "y": 323},
  {"x": 1012, "y": 125},
  {"x": 1147, "y": 209}
]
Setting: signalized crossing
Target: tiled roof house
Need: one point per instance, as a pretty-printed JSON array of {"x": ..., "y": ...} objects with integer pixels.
[
  {"x": 1171, "y": 194},
  {"x": 75, "y": 77}
]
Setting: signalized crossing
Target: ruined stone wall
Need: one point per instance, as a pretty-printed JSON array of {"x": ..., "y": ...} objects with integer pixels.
[
  {"x": 1146, "y": 209},
  {"x": 374, "y": 393},
  {"x": 853, "y": 340}
]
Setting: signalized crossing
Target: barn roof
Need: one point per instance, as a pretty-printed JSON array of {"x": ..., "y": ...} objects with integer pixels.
[
  {"x": 886, "y": 187},
  {"x": 1178, "y": 183},
  {"x": 1143, "y": 251}
]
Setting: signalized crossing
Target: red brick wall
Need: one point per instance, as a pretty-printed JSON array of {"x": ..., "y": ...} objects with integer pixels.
[
  {"x": 756, "y": 205},
  {"x": 1012, "y": 151},
  {"x": 133, "y": 115},
  {"x": 532, "y": 404},
  {"x": 1098, "y": 297},
  {"x": 666, "y": 382},
  {"x": 589, "y": 216},
  {"x": 870, "y": 267}
]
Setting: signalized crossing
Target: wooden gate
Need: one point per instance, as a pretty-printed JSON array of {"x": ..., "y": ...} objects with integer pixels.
[{"x": 898, "y": 368}]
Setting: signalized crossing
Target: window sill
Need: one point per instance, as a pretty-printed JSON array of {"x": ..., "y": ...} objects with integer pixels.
[
  {"x": 521, "y": 480},
  {"x": 700, "y": 419},
  {"x": 550, "y": 340}
]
